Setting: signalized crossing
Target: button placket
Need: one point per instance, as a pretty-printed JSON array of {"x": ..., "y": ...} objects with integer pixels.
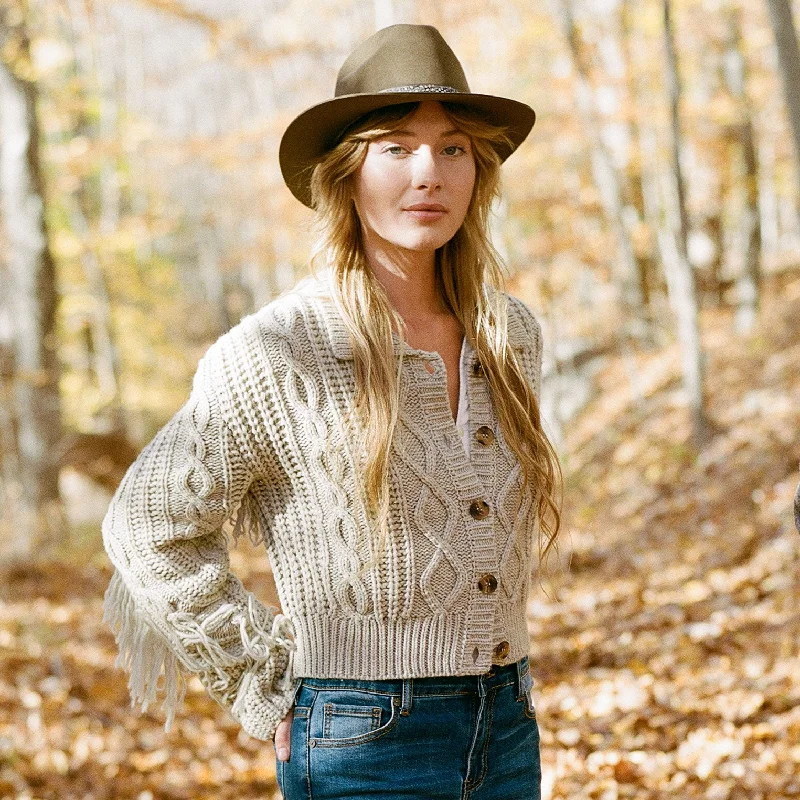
[{"x": 471, "y": 485}]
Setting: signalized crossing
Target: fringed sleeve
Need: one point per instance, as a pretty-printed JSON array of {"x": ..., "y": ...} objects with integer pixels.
[{"x": 172, "y": 603}]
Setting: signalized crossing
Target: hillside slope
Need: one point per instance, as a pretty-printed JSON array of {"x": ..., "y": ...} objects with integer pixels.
[{"x": 670, "y": 665}]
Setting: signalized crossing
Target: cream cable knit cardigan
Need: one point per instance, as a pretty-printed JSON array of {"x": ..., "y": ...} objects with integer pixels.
[{"x": 248, "y": 447}]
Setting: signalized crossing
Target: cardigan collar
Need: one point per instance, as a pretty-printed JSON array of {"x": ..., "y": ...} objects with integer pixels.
[{"x": 518, "y": 337}]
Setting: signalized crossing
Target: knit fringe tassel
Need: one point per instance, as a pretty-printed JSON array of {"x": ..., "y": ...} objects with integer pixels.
[
  {"x": 267, "y": 651},
  {"x": 249, "y": 520},
  {"x": 142, "y": 652}
]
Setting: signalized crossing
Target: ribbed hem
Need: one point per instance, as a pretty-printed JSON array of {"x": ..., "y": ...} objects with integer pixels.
[{"x": 371, "y": 649}]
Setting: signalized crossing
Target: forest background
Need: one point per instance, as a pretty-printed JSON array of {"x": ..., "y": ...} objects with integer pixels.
[{"x": 651, "y": 220}]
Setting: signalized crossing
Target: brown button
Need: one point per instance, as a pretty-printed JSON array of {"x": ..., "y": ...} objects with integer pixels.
[
  {"x": 501, "y": 650},
  {"x": 485, "y": 435},
  {"x": 487, "y": 583},
  {"x": 478, "y": 509},
  {"x": 477, "y": 368},
  {"x": 429, "y": 367}
]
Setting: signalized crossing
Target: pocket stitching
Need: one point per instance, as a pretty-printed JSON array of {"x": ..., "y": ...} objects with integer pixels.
[
  {"x": 363, "y": 737},
  {"x": 345, "y": 709}
]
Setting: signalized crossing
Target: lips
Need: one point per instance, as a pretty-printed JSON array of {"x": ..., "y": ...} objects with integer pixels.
[
  {"x": 426, "y": 207},
  {"x": 426, "y": 212}
]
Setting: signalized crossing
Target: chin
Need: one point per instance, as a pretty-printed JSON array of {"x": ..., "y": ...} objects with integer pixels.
[{"x": 432, "y": 241}]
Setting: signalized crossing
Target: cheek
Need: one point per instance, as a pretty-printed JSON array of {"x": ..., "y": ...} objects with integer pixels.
[
  {"x": 379, "y": 175},
  {"x": 376, "y": 191},
  {"x": 466, "y": 188}
]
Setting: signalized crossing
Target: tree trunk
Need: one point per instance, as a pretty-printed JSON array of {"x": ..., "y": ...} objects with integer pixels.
[
  {"x": 749, "y": 280},
  {"x": 10, "y": 471},
  {"x": 780, "y": 15},
  {"x": 673, "y": 245},
  {"x": 605, "y": 172},
  {"x": 88, "y": 64},
  {"x": 640, "y": 176},
  {"x": 211, "y": 274},
  {"x": 33, "y": 297}
]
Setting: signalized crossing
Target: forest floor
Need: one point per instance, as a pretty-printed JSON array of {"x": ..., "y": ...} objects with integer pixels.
[{"x": 666, "y": 657}]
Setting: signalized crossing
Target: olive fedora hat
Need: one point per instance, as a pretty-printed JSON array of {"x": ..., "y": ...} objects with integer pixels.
[{"x": 398, "y": 64}]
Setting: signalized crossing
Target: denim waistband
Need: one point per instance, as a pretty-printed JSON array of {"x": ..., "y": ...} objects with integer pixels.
[{"x": 498, "y": 675}]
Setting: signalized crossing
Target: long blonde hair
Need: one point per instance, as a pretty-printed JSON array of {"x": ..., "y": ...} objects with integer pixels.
[{"x": 467, "y": 268}]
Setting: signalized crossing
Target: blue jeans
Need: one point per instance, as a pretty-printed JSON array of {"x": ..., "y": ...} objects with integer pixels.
[{"x": 471, "y": 737}]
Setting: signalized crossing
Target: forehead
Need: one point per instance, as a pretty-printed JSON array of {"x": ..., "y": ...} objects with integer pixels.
[{"x": 428, "y": 117}]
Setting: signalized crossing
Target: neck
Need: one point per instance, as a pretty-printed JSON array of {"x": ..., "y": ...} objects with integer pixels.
[{"x": 408, "y": 277}]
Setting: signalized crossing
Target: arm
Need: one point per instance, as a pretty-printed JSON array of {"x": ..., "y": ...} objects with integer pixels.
[{"x": 172, "y": 602}]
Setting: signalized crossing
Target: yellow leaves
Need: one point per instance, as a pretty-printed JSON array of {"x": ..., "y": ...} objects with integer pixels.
[
  {"x": 704, "y": 749},
  {"x": 145, "y": 762}
]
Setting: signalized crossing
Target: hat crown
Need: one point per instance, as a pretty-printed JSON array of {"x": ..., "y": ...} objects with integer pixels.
[{"x": 399, "y": 57}]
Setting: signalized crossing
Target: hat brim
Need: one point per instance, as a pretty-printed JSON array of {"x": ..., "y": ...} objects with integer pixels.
[{"x": 315, "y": 131}]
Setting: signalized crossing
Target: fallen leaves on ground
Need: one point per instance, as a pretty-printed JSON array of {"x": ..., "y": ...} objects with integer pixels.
[{"x": 667, "y": 658}]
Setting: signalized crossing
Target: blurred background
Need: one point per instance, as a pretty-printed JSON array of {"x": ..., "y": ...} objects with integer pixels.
[{"x": 651, "y": 220}]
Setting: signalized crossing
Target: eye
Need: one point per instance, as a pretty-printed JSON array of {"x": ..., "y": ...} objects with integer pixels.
[
  {"x": 394, "y": 149},
  {"x": 454, "y": 150}
]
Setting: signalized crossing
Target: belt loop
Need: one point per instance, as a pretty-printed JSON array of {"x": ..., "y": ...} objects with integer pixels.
[{"x": 408, "y": 692}]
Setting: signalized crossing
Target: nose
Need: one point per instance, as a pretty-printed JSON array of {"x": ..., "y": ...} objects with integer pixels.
[{"x": 426, "y": 174}]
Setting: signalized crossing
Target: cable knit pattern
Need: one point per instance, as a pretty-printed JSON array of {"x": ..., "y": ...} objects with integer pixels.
[{"x": 248, "y": 448}]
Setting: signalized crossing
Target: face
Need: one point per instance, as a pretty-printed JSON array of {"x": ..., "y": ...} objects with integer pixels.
[{"x": 415, "y": 185}]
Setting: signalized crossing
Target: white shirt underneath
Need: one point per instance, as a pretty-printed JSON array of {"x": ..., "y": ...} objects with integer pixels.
[{"x": 462, "y": 417}]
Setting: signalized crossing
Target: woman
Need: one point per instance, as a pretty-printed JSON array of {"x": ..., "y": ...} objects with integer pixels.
[{"x": 378, "y": 428}]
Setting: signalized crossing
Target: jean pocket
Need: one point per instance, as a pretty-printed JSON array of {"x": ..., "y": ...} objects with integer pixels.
[{"x": 348, "y": 717}]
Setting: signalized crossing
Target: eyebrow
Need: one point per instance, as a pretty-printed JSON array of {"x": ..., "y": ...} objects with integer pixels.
[{"x": 441, "y": 136}]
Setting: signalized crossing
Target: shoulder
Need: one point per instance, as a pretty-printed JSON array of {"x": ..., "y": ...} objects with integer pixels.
[
  {"x": 525, "y": 334},
  {"x": 257, "y": 342},
  {"x": 524, "y": 330},
  {"x": 287, "y": 321}
]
